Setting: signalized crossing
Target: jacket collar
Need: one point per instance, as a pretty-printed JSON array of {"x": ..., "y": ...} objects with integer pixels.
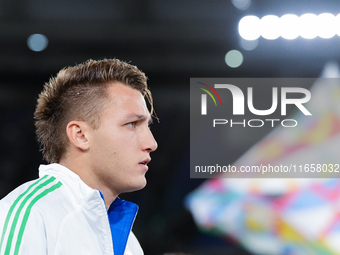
[{"x": 82, "y": 193}]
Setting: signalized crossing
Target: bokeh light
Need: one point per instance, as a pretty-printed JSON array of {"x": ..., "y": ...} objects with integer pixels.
[
  {"x": 241, "y": 4},
  {"x": 326, "y": 25},
  {"x": 234, "y": 58},
  {"x": 270, "y": 25},
  {"x": 289, "y": 26},
  {"x": 308, "y": 24},
  {"x": 249, "y": 44},
  {"x": 37, "y": 42},
  {"x": 249, "y": 27}
]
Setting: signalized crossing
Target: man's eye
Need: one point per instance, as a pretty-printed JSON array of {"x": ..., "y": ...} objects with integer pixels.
[{"x": 131, "y": 124}]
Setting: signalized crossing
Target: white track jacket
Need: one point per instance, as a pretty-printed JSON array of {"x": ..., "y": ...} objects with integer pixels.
[{"x": 58, "y": 214}]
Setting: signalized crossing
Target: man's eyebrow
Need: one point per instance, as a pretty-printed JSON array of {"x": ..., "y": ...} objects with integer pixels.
[{"x": 138, "y": 117}]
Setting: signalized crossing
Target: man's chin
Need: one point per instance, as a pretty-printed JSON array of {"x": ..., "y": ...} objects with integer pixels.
[{"x": 136, "y": 186}]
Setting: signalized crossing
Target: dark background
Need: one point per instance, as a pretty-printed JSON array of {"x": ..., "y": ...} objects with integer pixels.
[{"x": 171, "y": 41}]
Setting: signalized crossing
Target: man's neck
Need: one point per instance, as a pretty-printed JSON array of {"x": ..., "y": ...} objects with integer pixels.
[{"x": 89, "y": 179}]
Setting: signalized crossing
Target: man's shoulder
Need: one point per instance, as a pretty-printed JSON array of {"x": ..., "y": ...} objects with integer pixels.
[
  {"x": 25, "y": 215},
  {"x": 16, "y": 193},
  {"x": 30, "y": 195}
]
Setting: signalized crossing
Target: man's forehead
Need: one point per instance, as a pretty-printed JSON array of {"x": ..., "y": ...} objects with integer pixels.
[
  {"x": 128, "y": 102},
  {"x": 119, "y": 92},
  {"x": 119, "y": 88}
]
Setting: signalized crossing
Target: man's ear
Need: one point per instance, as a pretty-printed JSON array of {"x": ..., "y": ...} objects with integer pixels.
[{"x": 77, "y": 134}]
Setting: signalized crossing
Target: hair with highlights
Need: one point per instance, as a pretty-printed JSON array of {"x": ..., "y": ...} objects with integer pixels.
[{"x": 79, "y": 93}]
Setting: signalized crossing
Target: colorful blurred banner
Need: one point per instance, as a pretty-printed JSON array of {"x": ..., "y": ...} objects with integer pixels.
[{"x": 282, "y": 216}]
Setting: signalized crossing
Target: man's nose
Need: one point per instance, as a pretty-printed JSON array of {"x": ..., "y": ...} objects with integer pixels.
[{"x": 150, "y": 143}]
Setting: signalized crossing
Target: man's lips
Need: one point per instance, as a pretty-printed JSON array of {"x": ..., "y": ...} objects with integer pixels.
[{"x": 144, "y": 163}]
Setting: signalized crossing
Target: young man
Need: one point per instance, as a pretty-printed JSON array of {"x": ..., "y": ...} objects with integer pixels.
[{"x": 93, "y": 125}]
